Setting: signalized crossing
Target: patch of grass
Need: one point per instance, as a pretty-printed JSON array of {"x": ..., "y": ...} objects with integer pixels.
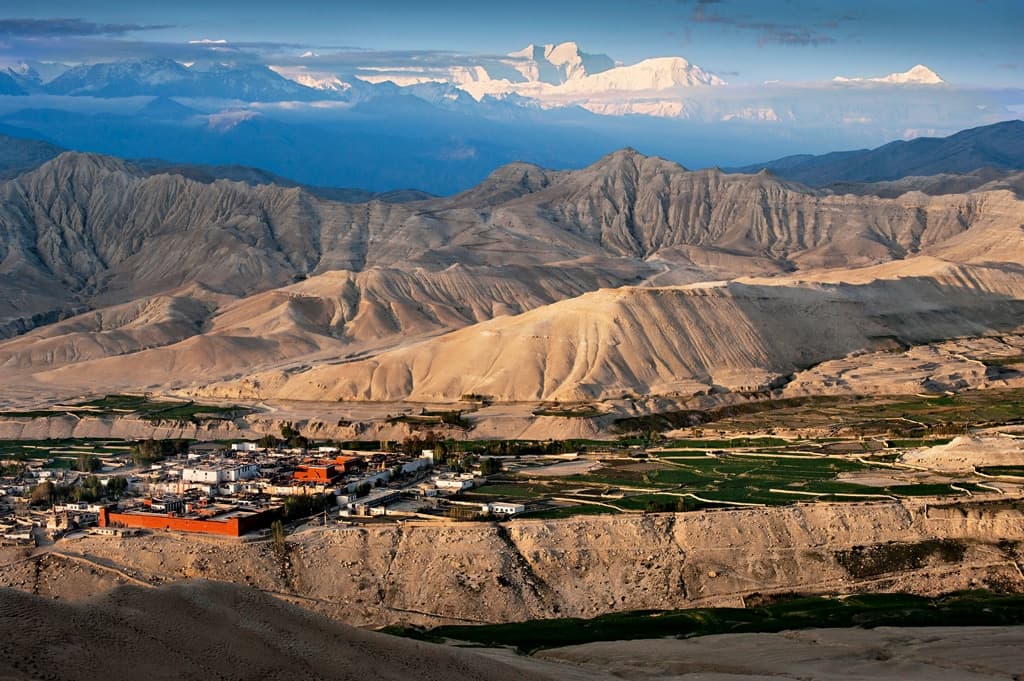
[
  {"x": 568, "y": 512},
  {"x": 583, "y": 412},
  {"x": 1002, "y": 361},
  {"x": 919, "y": 442},
  {"x": 1003, "y": 470},
  {"x": 975, "y": 608}
]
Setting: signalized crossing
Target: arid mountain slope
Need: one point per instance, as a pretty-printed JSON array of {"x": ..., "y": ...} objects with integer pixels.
[
  {"x": 90, "y": 230},
  {"x": 182, "y": 284},
  {"x": 742, "y": 335}
]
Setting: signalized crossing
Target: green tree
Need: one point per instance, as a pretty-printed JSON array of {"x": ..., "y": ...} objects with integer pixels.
[
  {"x": 150, "y": 451},
  {"x": 278, "y": 539},
  {"x": 117, "y": 486},
  {"x": 304, "y": 505},
  {"x": 362, "y": 489},
  {"x": 490, "y": 466},
  {"x": 43, "y": 494},
  {"x": 268, "y": 442},
  {"x": 87, "y": 463}
]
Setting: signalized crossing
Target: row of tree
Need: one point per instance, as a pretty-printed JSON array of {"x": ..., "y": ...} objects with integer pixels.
[{"x": 91, "y": 489}]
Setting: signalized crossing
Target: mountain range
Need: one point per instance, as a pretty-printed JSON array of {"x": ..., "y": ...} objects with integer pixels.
[
  {"x": 441, "y": 125},
  {"x": 630, "y": 277}
]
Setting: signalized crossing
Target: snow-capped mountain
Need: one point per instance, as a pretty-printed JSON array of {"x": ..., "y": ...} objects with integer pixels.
[
  {"x": 918, "y": 75},
  {"x": 557, "y": 64},
  {"x": 328, "y": 82},
  {"x": 168, "y": 78},
  {"x": 562, "y": 74},
  {"x": 568, "y": 77},
  {"x": 663, "y": 73}
]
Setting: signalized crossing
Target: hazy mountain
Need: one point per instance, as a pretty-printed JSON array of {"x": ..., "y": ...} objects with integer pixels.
[
  {"x": 943, "y": 183},
  {"x": 390, "y": 143},
  {"x": 10, "y": 86},
  {"x": 999, "y": 146},
  {"x": 168, "y": 78},
  {"x": 18, "y": 154}
]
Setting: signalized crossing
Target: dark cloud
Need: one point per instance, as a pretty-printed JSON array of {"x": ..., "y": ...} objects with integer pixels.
[
  {"x": 769, "y": 32},
  {"x": 62, "y": 28}
]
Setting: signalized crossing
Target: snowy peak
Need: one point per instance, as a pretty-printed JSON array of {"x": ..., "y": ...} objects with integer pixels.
[
  {"x": 557, "y": 63},
  {"x": 918, "y": 75},
  {"x": 660, "y": 73}
]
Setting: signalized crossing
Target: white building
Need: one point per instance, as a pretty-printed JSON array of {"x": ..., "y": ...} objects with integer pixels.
[
  {"x": 244, "y": 447},
  {"x": 213, "y": 475},
  {"x": 503, "y": 508},
  {"x": 453, "y": 482}
]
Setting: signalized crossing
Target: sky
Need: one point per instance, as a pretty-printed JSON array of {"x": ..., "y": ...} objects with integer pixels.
[{"x": 970, "y": 43}]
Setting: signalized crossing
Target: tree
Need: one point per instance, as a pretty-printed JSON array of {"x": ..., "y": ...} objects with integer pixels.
[
  {"x": 278, "y": 539},
  {"x": 117, "y": 486},
  {"x": 91, "y": 489},
  {"x": 292, "y": 436},
  {"x": 490, "y": 466},
  {"x": 150, "y": 451},
  {"x": 268, "y": 442},
  {"x": 362, "y": 489},
  {"x": 42, "y": 494},
  {"x": 87, "y": 463},
  {"x": 304, "y": 505}
]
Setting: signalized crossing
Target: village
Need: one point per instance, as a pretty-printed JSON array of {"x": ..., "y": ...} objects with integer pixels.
[{"x": 232, "y": 489}]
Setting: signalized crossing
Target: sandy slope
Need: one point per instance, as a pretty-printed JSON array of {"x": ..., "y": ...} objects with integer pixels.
[{"x": 743, "y": 335}]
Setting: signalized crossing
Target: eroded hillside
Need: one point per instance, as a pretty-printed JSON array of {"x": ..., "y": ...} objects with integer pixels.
[{"x": 475, "y": 572}]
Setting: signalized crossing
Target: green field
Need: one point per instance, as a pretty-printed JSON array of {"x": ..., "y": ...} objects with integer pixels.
[
  {"x": 734, "y": 477},
  {"x": 568, "y": 512},
  {"x": 975, "y": 608},
  {"x": 694, "y": 479}
]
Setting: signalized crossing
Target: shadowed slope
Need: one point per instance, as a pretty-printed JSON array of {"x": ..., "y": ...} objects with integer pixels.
[{"x": 206, "y": 630}]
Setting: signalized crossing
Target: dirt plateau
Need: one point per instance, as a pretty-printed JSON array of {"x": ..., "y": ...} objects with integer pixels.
[{"x": 475, "y": 572}]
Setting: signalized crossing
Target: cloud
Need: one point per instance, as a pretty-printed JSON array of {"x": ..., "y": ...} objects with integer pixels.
[
  {"x": 64, "y": 28},
  {"x": 770, "y": 32}
]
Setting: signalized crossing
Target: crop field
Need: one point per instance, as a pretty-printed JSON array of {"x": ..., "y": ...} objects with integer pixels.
[
  {"x": 695, "y": 474},
  {"x": 60, "y": 453}
]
